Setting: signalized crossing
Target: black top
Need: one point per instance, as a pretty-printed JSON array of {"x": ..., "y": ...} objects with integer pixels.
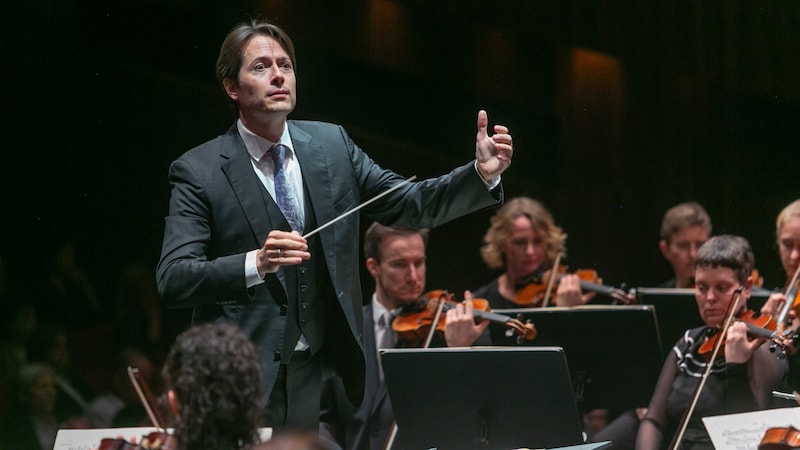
[{"x": 728, "y": 389}]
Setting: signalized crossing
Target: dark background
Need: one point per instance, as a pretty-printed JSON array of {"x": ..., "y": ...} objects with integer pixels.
[{"x": 618, "y": 112}]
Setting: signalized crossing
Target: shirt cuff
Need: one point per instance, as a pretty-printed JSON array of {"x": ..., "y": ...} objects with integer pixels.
[
  {"x": 251, "y": 277},
  {"x": 490, "y": 184}
]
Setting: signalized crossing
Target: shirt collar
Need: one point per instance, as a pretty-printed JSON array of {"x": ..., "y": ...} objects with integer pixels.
[
  {"x": 257, "y": 146},
  {"x": 379, "y": 310}
]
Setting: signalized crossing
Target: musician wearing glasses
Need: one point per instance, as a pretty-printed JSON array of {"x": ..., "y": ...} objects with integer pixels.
[{"x": 684, "y": 229}]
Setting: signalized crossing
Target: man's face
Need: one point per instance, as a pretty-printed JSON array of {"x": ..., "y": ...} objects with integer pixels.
[
  {"x": 400, "y": 274},
  {"x": 789, "y": 245},
  {"x": 266, "y": 88},
  {"x": 713, "y": 290},
  {"x": 681, "y": 250}
]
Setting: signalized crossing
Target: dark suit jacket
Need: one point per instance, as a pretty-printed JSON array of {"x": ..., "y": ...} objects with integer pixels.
[
  {"x": 219, "y": 210},
  {"x": 367, "y": 426}
]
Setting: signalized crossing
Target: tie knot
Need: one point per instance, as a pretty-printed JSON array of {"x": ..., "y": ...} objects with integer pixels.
[
  {"x": 387, "y": 318},
  {"x": 278, "y": 153}
]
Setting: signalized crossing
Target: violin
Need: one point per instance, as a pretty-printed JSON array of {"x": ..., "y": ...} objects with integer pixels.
[
  {"x": 156, "y": 440},
  {"x": 762, "y": 326},
  {"x": 780, "y": 438},
  {"x": 416, "y": 320},
  {"x": 534, "y": 288}
]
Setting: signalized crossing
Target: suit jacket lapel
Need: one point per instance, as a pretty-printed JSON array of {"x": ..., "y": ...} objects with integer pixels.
[
  {"x": 317, "y": 182},
  {"x": 246, "y": 186},
  {"x": 249, "y": 191}
]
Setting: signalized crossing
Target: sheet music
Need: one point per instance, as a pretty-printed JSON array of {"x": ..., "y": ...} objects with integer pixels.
[
  {"x": 744, "y": 431},
  {"x": 90, "y": 439}
]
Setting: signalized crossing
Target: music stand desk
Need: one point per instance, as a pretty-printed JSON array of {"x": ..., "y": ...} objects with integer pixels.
[
  {"x": 482, "y": 398},
  {"x": 614, "y": 352}
]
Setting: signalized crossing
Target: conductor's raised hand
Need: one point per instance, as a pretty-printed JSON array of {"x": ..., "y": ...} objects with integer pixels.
[
  {"x": 492, "y": 152},
  {"x": 281, "y": 248}
]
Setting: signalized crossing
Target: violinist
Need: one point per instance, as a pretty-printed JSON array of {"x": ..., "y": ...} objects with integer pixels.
[
  {"x": 740, "y": 379},
  {"x": 395, "y": 258},
  {"x": 787, "y": 230},
  {"x": 523, "y": 240},
  {"x": 213, "y": 377},
  {"x": 685, "y": 228}
]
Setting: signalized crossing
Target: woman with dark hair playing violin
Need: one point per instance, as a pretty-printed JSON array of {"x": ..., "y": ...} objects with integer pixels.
[
  {"x": 524, "y": 241},
  {"x": 213, "y": 378},
  {"x": 742, "y": 376}
]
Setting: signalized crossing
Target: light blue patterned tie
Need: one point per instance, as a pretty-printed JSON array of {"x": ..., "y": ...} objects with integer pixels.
[{"x": 285, "y": 192}]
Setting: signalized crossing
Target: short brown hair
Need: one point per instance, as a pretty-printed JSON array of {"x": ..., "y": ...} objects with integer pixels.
[
  {"x": 732, "y": 252},
  {"x": 682, "y": 216},
  {"x": 376, "y": 232}
]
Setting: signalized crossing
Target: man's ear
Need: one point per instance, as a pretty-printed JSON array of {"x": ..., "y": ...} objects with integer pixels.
[
  {"x": 173, "y": 402},
  {"x": 231, "y": 88},
  {"x": 662, "y": 245},
  {"x": 373, "y": 267}
]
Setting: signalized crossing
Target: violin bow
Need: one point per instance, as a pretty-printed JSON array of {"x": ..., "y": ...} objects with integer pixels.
[
  {"x": 552, "y": 281},
  {"x": 390, "y": 438},
  {"x": 733, "y": 307},
  {"x": 791, "y": 293},
  {"x": 436, "y": 317},
  {"x": 146, "y": 397}
]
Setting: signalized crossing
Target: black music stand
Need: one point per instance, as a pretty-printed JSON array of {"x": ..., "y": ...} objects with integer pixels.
[
  {"x": 614, "y": 352},
  {"x": 481, "y": 398},
  {"x": 676, "y": 310}
]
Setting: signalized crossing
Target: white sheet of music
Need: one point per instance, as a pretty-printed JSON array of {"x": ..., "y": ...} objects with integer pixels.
[
  {"x": 744, "y": 431},
  {"x": 90, "y": 438}
]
